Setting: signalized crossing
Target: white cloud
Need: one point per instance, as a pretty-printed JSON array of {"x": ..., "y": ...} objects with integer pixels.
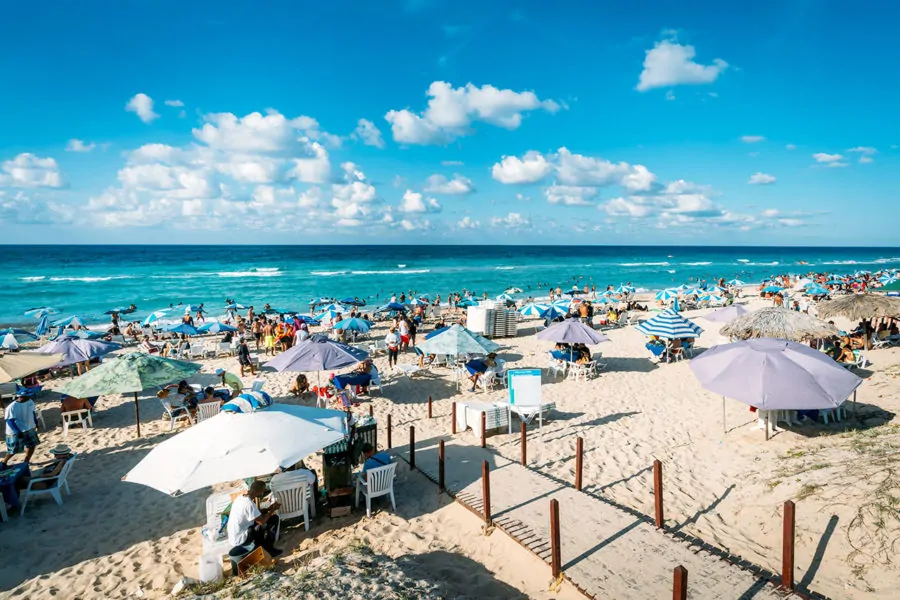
[
  {"x": 669, "y": 63},
  {"x": 468, "y": 223},
  {"x": 415, "y": 224},
  {"x": 640, "y": 179},
  {"x": 459, "y": 185},
  {"x": 570, "y": 195},
  {"x": 829, "y": 160},
  {"x": 368, "y": 133},
  {"x": 621, "y": 207},
  {"x": 761, "y": 179},
  {"x": 414, "y": 202},
  {"x": 576, "y": 169},
  {"x": 142, "y": 105},
  {"x": 316, "y": 169},
  {"x": 250, "y": 168},
  {"x": 451, "y": 111},
  {"x": 866, "y": 160},
  {"x": 513, "y": 220},
  {"x": 752, "y": 139},
  {"x": 149, "y": 153},
  {"x": 311, "y": 198},
  {"x": 530, "y": 168},
  {"x": 451, "y": 163},
  {"x": 866, "y": 153},
  {"x": 790, "y": 147},
  {"x": 79, "y": 146},
  {"x": 255, "y": 132},
  {"x": 28, "y": 170},
  {"x": 175, "y": 103}
]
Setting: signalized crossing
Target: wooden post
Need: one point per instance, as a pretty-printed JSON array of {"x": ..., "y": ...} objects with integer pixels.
[
  {"x": 371, "y": 411},
  {"x": 412, "y": 447},
  {"x": 555, "y": 560},
  {"x": 389, "y": 432},
  {"x": 483, "y": 429},
  {"x": 787, "y": 547},
  {"x": 486, "y": 491},
  {"x": 441, "y": 465},
  {"x": 429, "y": 407},
  {"x": 137, "y": 414},
  {"x": 453, "y": 418},
  {"x": 658, "y": 493},
  {"x": 579, "y": 463},
  {"x": 524, "y": 452},
  {"x": 679, "y": 591}
]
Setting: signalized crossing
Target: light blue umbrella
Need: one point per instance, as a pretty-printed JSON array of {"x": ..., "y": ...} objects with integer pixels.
[
  {"x": 85, "y": 334},
  {"x": 666, "y": 295},
  {"x": 735, "y": 282},
  {"x": 74, "y": 321},
  {"x": 554, "y": 312},
  {"x": 710, "y": 298},
  {"x": 693, "y": 292},
  {"x": 457, "y": 340},
  {"x": 155, "y": 316},
  {"x": 337, "y": 308},
  {"x": 533, "y": 310},
  {"x": 40, "y": 311},
  {"x": 215, "y": 327},
  {"x": 771, "y": 289},
  {"x": 504, "y": 296},
  {"x": 886, "y": 279},
  {"x": 43, "y": 326},
  {"x": 563, "y": 304},
  {"x": 183, "y": 328},
  {"x": 328, "y": 315},
  {"x": 467, "y": 302},
  {"x": 354, "y": 324},
  {"x": 669, "y": 325},
  {"x": 21, "y": 335},
  {"x": 624, "y": 289}
]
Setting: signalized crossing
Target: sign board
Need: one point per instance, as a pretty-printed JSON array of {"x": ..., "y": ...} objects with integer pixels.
[{"x": 524, "y": 387}]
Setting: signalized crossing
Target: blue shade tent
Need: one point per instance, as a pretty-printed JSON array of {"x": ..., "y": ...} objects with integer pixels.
[
  {"x": 456, "y": 340},
  {"x": 354, "y": 324},
  {"x": 669, "y": 325},
  {"x": 75, "y": 350},
  {"x": 533, "y": 310},
  {"x": 215, "y": 327},
  {"x": 393, "y": 306},
  {"x": 182, "y": 328},
  {"x": 20, "y": 334},
  {"x": 74, "y": 321}
]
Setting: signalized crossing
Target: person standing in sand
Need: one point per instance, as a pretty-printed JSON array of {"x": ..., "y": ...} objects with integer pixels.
[
  {"x": 269, "y": 337},
  {"x": 21, "y": 429},
  {"x": 243, "y": 355},
  {"x": 393, "y": 343}
]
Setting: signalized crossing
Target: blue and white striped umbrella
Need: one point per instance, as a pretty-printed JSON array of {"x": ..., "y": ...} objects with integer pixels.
[
  {"x": 504, "y": 296},
  {"x": 669, "y": 325},
  {"x": 692, "y": 292},
  {"x": 337, "y": 308},
  {"x": 710, "y": 298},
  {"x": 553, "y": 312},
  {"x": 155, "y": 316},
  {"x": 735, "y": 282},
  {"x": 667, "y": 295},
  {"x": 215, "y": 327},
  {"x": 329, "y": 315},
  {"x": 624, "y": 289},
  {"x": 533, "y": 310},
  {"x": 74, "y": 321},
  {"x": 886, "y": 279}
]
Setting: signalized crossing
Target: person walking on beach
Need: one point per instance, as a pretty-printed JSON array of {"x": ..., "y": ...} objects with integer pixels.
[
  {"x": 243, "y": 355},
  {"x": 403, "y": 330},
  {"x": 21, "y": 429},
  {"x": 393, "y": 344}
]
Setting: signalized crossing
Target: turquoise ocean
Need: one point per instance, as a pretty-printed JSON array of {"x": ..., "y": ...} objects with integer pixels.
[{"x": 88, "y": 280}]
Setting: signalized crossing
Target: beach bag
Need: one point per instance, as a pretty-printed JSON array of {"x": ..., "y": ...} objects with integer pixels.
[{"x": 248, "y": 402}]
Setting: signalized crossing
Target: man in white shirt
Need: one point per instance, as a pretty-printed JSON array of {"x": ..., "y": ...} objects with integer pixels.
[
  {"x": 393, "y": 343},
  {"x": 21, "y": 429},
  {"x": 248, "y": 527}
]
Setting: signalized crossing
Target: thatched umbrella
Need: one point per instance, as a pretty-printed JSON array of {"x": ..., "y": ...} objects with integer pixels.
[
  {"x": 781, "y": 323},
  {"x": 861, "y": 307}
]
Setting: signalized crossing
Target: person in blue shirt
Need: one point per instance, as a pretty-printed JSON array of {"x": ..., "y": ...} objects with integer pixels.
[{"x": 374, "y": 459}]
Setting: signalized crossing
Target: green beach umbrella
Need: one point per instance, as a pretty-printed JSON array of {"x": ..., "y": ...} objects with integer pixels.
[
  {"x": 891, "y": 287},
  {"x": 132, "y": 373},
  {"x": 457, "y": 340}
]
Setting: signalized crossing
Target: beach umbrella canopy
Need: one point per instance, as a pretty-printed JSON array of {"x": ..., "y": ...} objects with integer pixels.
[
  {"x": 353, "y": 302},
  {"x": 40, "y": 311},
  {"x": 307, "y": 319},
  {"x": 572, "y": 331},
  {"x": 124, "y": 310},
  {"x": 74, "y": 321},
  {"x": 457, "y": 340},
  {"x": 76, "y": 350},
  {"x": 773, "y": 374},
  {"x": 533, "y": 310},
  {"x": 504, "y": 297},
  {"x": 9, "y": 342},
  {"x": 215, "y": 327},
  {"x": 18, "y": 365},
  {"x": 816, "y": 290},
  {"x": 43, "y": 326},
  {"x": 354, "y": 324},
  {"x": 181, "y": 328},
  {"x": 676, "y": 307},
  {"x": 467, "y": 302},
  {"x": 317, "y": 353},
  {"x": 710, "y": 298},
  {"x": 20, "y": 335},
  {"x": 780, "y": 323},
  {"x": 393, "y": 306},
  {"x": 727, "y": 314},
  {"x": 85, "y": 334},
  {"x": 860, "y": 306},
  {"x": 667, "y": 295},
  {"x": 155, "y": 316},
  {"x": 235, "y": 306},
  {"x": 890, "y": 287},
  {"x": 771, "y": 289},
  {"x": 692, "y": 292},
  {"x": 232, "y": 446},
  {"x": 417, "y": 302},
  {"x": 131, "y": 373},
  {"x": 669, "y": 325},
  {"x": 328, "y": 315},
  {"x": 624, "y": 289},
  {"x": 431, "y": 334},
  {"x": 553, "y": 312},
  {"x": 885, "y": 279},
  {"x": 337, "y": 308}
]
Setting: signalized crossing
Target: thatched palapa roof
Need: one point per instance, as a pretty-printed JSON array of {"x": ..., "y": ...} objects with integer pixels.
[
  {"x": 860, "y": 306},
  {"x": 781, "y": 323}
]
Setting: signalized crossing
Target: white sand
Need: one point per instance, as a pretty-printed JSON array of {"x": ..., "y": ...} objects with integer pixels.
[{"x": 111, "y": 537}]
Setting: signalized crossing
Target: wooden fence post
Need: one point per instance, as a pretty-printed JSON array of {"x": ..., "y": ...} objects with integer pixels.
[
  {"x": 679, "y": 589},
  {"x": 524, "y": 451},
  {"x": 389, "y": 432},
  {"x": 371, "y": 411},
  {"x": 486, "y": 491},
  {"x": 412, "y": 447},
  {"x": 787, "y": 550},
  {"x": 441, "y": 465},
  {"x": 658, "y": 493},
  {"x": 483, "y": 429},
  {"x": 579, "y": 463},
  {"x": 453, "y": 418},
  {"x": 429, "y": 407},
  {"x": 555, "y": 560}
]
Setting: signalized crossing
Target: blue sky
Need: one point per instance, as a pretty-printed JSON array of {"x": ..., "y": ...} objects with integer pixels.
[{"x": 420, "y": 121}]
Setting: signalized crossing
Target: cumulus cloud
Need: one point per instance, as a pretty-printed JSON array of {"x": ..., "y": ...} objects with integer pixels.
[
  {"x": 255, "y": 132},
  {"x": 29, "y": 171},
  {"x": 867, "y": 153},
  {"x": 530, "y": 168},
  {"x": 79, "y": 146},
  {"x": 752, "y": 139},
  {"x": 459, "y": 185},
  {"x": 414, "y": 202},
  {"x": 415, "y": 224},
  {"x": 368, "y": 133},
  {"x": 761, "y": 179},
  {"x": 174, "y": 103},
  {"x": 829, "y": 160},
  {"x": 512, "y": 220},
  {"x": 569, "y": 195},
  {"x": 315, "y": 169},
  {"x": 577, "y": 169},
  {"x": 451, "y": 112},
  {"x": 622, "y": 207},
  {"x": 669, "y": 63},
  {"x": 142, "y": 105},
  {"x": 468, "y": 223}
]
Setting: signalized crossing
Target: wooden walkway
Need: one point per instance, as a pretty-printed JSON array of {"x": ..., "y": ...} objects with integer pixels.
[{"x": 606, "y": 552}]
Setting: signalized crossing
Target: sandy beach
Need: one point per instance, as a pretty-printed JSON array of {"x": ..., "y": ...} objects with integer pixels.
[{"x": 117, "y": 540}]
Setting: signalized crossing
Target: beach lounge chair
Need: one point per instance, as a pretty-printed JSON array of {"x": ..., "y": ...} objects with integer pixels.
[
  {"x": 72, "y": 418},
  {"x": 48, "y": 486},
  {"x": 198, "y": 351},
  {"x": 861, "y": 361},
  {"x": 293, "y": 492},
  {"x": 377, "y": 347},
  {"x": 408, "y": 370},
  {"x": 488, "y": 380},
  {"x": 877, "y": 343},
  {"x": 377, "y": 482},
  {"x": 224, "y": 349},
  {"x": 118, "y": 339},
  {"x": 207, "y": 410},
  {"x": 179, "y": 413}
]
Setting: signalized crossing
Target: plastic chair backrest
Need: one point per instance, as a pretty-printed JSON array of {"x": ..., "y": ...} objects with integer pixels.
[
  {"x": 207, "y": 410},
  {"x": 293, "y": 495},
  {"x": 380, "y": 480},
  {"x": 75, "y": 416}
]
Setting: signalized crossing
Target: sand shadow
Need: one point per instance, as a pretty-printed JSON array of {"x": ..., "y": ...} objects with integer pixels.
[
  {"x": 628, "y": 364},
  {"x": 696, "y": 516},
  {"x": 816, "y": 562},
  {"x": 458, "y": 575}
]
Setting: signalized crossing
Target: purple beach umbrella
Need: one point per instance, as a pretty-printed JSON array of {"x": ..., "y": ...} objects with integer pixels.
[
  {"x": 727, "y": 314},
  {"x": 76, "y": 350},
  {"x": 572, "y": 331},
  {"x": 317, "y": 354}
]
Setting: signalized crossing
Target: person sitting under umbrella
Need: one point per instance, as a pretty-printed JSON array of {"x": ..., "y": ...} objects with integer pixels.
[
  {"x": 190, "y": 400},
  {"x": 300, "y": 386},
  {"x": 211, "y": 394},
  {"x": 477, "y": 368},
  {"x": 249, "y": 527},
  {"x": 69, "y": 403}
]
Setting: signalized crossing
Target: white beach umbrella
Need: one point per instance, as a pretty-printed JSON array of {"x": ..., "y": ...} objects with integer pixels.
[{"x": 234, "y": 446}]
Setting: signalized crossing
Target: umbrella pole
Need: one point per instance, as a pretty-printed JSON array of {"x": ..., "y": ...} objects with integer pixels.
[
  {"x": 854, "y": 404},
  {"x": 724, "y": 427},
  {"x": 137, "y": 414},
  {"x": 767, "y": 426}
]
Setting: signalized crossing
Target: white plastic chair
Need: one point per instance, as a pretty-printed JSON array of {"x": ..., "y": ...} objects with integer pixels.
[
  {"x": 582, "y": 370},
  {"x": 377, "y": 482},
  {"x": 72, "y": 418},
  {"x": 256, "y": 385},
  {"x": 292, "y": 491},
  {"x": 175, "y": 413},
  {"x": 556, "y": 367},
  {"x": 118, "y": 339},
  {"x": 487, "y": 380},
  {"x": 198, "y": 351},
  {"x": 224, "y": 349},
  {"x": 53, "y": 488},
  {"x": 375, "y": 382},
  {"x": 215, "y": 505},
  {"x": 207, "y": 410}
]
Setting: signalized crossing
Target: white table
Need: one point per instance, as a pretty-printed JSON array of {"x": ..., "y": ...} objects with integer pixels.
[{"x": 468, "y": 415}]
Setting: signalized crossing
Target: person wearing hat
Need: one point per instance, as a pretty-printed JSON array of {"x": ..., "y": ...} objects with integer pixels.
[
  {"x": 51, "y": 468},
  {"x": 231, "y": 380},
  {"x": 21, "y": 429},
  {"x": 477, "y": 368}
]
